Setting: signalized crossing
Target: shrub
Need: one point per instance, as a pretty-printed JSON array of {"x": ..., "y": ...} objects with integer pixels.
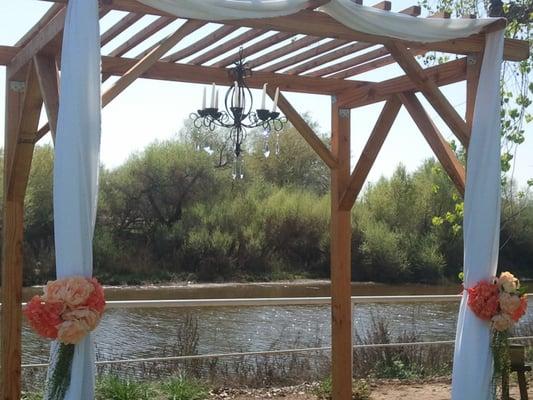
[
  {"x": 182, "y": 388},
  {"x": 115, "y": 388}
]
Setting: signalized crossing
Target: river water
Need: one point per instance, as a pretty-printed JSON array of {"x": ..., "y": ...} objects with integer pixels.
[{"x": 140, "y": 333}]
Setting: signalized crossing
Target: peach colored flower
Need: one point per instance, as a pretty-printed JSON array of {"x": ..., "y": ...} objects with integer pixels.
[
  {"x": 502, "y": 322},
  {"x": 72, "y": 332},
  {"x": 521, "y": 310},
  {"x": 72, "y": 291},
  {"x": 483, "y": 300},
  {"x": 89, "y": 317},
  {"x": 96, "y": 300},
  {"x": 44, "y": 317},
  {"x": 508, "y": 282},
  {"x": 509, "y": 303}
]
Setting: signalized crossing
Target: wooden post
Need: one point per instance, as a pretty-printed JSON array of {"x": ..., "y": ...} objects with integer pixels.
[
  {"x": 10, "y": 344},
  {"x": 341, "y": 232}
]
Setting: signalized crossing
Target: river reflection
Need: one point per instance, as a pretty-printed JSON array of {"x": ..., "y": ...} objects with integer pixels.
[{"x": 133, "y": 333}]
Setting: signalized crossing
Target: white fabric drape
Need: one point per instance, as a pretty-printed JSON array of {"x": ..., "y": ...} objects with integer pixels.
[
  {"x": 77, "y": 148},
  {"x": 360, "y": 18},
  {"x": 472, "y": 366}
]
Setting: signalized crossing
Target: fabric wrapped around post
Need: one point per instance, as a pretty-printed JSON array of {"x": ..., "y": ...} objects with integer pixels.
[
  {"x": 77, "y": 156},
  {"x": 472, "y": 364}
]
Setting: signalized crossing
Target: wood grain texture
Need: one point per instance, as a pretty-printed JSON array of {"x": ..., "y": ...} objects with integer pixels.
[
  {"x": 119, "y": 27},
  {"x": 341, "y": 233},
  {"x": 48, "y": 75},
  {"x": 370, "y": 152},
  {"x": 436, "y": 141}
]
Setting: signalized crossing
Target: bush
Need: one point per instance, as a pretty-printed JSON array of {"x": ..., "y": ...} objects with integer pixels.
[
  {"x": 115, "y": 388},
  {"x": 182, "y": 388}
]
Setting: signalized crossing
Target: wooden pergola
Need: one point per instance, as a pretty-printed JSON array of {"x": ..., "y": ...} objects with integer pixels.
[{"x": 307, "y": 52}]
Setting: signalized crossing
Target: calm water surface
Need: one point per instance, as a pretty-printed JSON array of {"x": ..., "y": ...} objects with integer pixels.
[{"x": 133, "y": 333}]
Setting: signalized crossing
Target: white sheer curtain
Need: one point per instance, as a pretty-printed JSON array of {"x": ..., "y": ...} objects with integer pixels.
[
  {"x": 77, "y": 153},
  {"x": 472, "y": 366}
]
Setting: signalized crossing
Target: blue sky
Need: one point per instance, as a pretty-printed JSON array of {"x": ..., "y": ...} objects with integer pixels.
[{"x": 154, "y": 110}]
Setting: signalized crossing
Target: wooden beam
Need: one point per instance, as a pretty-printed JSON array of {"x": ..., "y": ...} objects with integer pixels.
[
  {"x": 305, "y": 55},
  {"x": 206, "y": 75},
  {"x": 325, "y": 58},
  {"x": 48, "y": 75},
  {"x": 284, "y": 50},
  {"x": 201, "y": 44},
  {"x": 253, "y": 48},
  {"x": 45, "y": 19},
  {"x": 141, "y": 36},
  {"x": 444, "y": 74},
  {"x": 340, "y": 247},
  {"x": 473, "y": 70},
  {"x": 7, "y": 53},
  {"x": 304, "y": 129},
  {"x": 438, "y": 144},
  {"x": 431, "y": 91},
  {"x": 227, "y": 46},
  {"x": 123, "y": 24},
  {"x": 383, "y": 5},
  {"x": 351, "y": 62},
  {"x": 46, "y": 35},
  {"x": 149, "y": 60},
  {"x": 370, "y": 152}
]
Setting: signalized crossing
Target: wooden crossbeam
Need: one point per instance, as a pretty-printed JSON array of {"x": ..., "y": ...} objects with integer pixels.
[
  {"x": 444, "y": 74},
  {"x": 383, "y": 5},
  {"x": 431, "y": 91},
  {"x": 438, "y": 144},
  {"x": 7, "y": 53},
  {"x": 284, "y": 50},
  {"x": 305, "y": 55},
  {"x": 370, "y": 152},
  {"x": 254, "y": 48},
  {"x": 48, "y": 76},
  {"x": 413, "y": 11},
  {"x": 325, "y": 58},
  {"x": 45, "y": 35},
  {"x": 304, "y": 129},
  {"x": 149, "y": 60},
  {"x": 201, "y": 44},
  {"x": 227, "y": 46},
  {"x": 351, "y": 62},
  {"x": 141, "y": 36},
  {"x": 35, "y": 29},
  {"x": 123, "y": 24},
  {"x": 370, "y": 65}
]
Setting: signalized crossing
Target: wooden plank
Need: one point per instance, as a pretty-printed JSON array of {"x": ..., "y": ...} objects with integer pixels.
[
  {"x": 369, "y": 66},
  {"x": 283, "y": 51},
  {"x": 304, "y": 129},
  {"x": 370, "y": 152},
  {"x": 45, "y": 19},
  {"x": 438, "y": 144},
  {"x": 227, "y": 46},
  {"x": 351, "y": 62},
  {"x": 444, "y": 74},
  {"x": 341, "y": 233},
  {"x": 383, "y": 5},
  {"x": 430, "y": 90},
  {"x": 198, "y": 45},
  {"x": 315, "y": 23},
  {"x": 253, "y": 48},
  {"x": 7, "y": 53},
  {"x": 305, "y": 55},
  {"x": 123, "y": 24},
  {"x": 206, "y": 75},
  {"x": 141, "y": 36},
  {"x": 48, "y": 75},
  {"x": 473, "y": 70},
  {"x": 149, "y": 60},
  {"x": 325, "y": 58},
  {"x": 413, "y": 11},
  {"x": 46, "y": 35}
]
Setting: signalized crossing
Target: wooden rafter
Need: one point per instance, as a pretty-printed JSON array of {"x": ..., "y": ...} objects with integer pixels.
[
  {"x": 431, "y": 91},
  {"x": 149, "y": 60},
  {"x": 304, "y": 129},
  {"x": 45, "y": 19},
  {"x": 325, "y": 58},
  {"x": 201, "y": 44},
  {"x": 48, "y": 76},
  {"x": 123, "y": 24},
  {"x": 370, "y": 152},
  {"x": 413, "y": 11},
  {"x": 284, "y": 50},
  {"x": 351, "y": 62},
  {"x": 444, "y": 74},
  {"x": 254, "y": 48},
  {"x": 436, "y": 141}
]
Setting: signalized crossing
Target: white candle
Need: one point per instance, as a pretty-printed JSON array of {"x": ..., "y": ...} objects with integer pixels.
[
  {"x": 213, "y": 91},
  {"x": 263, "y": 99},
  {"x": 216, "y": 99},
  {"x": 276, "y": 96},
  {"x": 203, "y": 101},
  {"x": 236, "y": 95}
]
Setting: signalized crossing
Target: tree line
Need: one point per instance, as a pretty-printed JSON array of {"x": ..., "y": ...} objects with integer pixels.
[{"x": 173, "y": 212}]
